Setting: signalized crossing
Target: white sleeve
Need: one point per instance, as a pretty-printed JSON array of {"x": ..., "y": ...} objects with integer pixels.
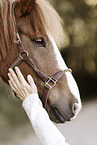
[{"x": 44, "y": 128}]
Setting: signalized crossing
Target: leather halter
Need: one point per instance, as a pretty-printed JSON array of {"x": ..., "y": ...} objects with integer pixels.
[{"x": 49, "y": 82}]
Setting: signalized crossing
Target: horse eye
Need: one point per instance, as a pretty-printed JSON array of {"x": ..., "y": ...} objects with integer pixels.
[{"x": 39, "y": 41}]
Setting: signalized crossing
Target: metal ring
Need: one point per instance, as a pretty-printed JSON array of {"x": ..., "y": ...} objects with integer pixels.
[
  {"x": 68, "y": 69},
  {"x": 23, "y": 52}
]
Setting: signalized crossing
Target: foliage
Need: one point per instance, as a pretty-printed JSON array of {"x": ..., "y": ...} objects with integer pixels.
[{"x": 80, "y": 26}]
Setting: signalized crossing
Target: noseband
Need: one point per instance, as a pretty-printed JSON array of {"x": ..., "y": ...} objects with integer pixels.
[{"x": 49, "y": 82}]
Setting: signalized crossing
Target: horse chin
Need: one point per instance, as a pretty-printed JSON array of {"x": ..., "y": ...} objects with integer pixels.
[{"x": 55, "y": 115}]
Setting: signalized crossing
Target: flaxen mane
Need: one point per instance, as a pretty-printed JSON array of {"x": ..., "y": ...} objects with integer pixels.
[{"x": 43, "y": 18}]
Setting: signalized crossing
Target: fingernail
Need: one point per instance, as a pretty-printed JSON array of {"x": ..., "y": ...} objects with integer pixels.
[
  {"x": 8, "y": 74},
  {"x": 28, "y": 76},
  {"x": 16, "y": 67},
  {"x": 9, "y": 69}
]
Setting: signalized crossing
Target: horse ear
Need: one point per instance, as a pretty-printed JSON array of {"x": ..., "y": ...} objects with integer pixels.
[{"x": 23, "y": 7}]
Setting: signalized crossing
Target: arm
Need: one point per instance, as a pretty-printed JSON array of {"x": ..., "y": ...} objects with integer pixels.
[{"x": 44, "y": 128}]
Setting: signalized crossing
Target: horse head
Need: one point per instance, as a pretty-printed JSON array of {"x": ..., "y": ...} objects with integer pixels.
[{"x": 39, "y": 29}]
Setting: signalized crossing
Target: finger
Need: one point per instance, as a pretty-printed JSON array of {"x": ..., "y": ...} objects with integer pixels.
[
  {"x": 23, "y": 94},
  {"x": 30, "y": 80},
  {"x": 19, "y": 79},
  {"x": 20, "y": 76},
  {"x": 14, "y": 89},
  {"x": 15, "y": 78},
  {"x": 32, "y": 84},
  {"x": 13, "y": 84},
  {"x": 20, "y": 94}
]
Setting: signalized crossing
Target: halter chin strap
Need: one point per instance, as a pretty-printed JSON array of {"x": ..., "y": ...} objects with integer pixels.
[{"x": 49, "y": 82}]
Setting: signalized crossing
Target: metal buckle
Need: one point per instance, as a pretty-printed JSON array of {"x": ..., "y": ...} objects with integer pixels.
[
  {"x": 50, "y": 79},
  {"x": 21, "y": 55},
  {"x": 68, "y": 70}
]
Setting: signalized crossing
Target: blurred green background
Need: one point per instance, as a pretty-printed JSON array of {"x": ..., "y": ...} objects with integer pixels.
[
  {"x": 79, "y": 53},
  {"x": 80, "y": 49}
]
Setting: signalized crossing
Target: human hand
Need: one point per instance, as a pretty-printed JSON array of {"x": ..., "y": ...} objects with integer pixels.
[{"x": 19, "y": 85}]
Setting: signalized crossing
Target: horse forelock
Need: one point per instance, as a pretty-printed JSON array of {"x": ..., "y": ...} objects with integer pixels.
[{"x": 7, "y": 35}]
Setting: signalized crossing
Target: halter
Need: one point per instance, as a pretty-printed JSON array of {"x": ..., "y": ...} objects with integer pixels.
[{"x": 49, "y": 82}]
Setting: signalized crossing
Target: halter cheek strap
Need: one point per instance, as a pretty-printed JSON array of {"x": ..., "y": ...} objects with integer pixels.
[{"x": 49, "y": 82}]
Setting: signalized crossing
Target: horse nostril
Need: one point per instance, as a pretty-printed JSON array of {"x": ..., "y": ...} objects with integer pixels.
[{"x": 74, "y": 109}]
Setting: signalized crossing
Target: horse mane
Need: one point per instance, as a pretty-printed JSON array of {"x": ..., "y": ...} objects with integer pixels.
[
  {"x": 7, "y": 29},
  {"x": 47, "y": 20}
]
